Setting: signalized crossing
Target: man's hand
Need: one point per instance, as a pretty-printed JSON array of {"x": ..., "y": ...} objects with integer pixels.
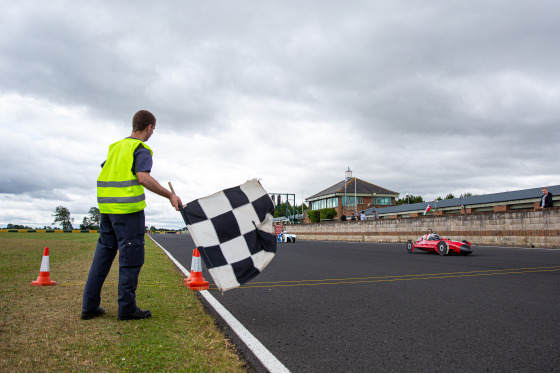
[{"x": 175, "y": 201}]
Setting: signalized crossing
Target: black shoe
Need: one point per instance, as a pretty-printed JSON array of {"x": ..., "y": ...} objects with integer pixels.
[
  {"x": 139, "y": 314},
  {"x": 97, "y": 312}
]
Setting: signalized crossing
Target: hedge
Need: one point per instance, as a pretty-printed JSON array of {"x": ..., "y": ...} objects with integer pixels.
[{"x": 316, "y": 216}]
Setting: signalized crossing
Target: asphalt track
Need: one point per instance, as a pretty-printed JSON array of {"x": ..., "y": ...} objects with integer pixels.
[{"x": 369, "y": 307}]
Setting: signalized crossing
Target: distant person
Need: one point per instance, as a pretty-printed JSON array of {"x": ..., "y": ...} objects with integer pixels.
[
  {"x": 120, "y": 195},
  {"x": 363, "y": 216},
  {"x": 353, "y": 217},
  {"x": 546, "y": 201},
  {"x": 428, "y": 233},
  {"x": 343, "y": 217},
  {"x": 374, "y": 214}
]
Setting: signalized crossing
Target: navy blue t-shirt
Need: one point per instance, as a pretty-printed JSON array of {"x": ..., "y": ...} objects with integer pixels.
[{"x": 142, "y": 159}]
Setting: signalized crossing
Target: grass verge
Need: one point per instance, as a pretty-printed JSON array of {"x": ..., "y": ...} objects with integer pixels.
[{"x": 41, "y": 329}]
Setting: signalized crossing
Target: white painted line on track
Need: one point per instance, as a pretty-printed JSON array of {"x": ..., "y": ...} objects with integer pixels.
[
  {"x": 259, "y": 350},
  {"x": 263, "y": 354}
]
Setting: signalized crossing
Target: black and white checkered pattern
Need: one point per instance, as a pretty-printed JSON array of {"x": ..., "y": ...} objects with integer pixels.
[{"x": 233, "y": 230}]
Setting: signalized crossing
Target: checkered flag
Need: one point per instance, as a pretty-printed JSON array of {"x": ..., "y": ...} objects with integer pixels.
[{"x": 233, "y": 230}]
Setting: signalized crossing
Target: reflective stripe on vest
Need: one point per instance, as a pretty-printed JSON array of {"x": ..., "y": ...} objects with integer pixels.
[
  {"x": 118, "y": 188},
  {"x": 133, "y": 182},
  {"x": 121, "y": 200}
]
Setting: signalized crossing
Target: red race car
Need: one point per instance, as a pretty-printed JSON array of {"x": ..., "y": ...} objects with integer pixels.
[{"x": 433, "y": 243}]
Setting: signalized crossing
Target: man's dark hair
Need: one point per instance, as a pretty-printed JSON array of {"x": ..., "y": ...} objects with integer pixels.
[{"x": 142, "y": 119}]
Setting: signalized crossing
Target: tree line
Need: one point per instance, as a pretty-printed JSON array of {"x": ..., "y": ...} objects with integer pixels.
[
  {"x": 63, "y": 217},
  {"x": 412, "y": 199},
  {"x": 281, "y": 210}
]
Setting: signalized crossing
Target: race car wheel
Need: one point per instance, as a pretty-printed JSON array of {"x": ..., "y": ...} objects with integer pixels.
[
  {"x": 409, "y": 246},
  {"x": 442, "y": 248}
]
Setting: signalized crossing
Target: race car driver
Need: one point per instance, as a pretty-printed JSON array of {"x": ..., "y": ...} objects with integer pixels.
[{"x": 425, "y": 237}]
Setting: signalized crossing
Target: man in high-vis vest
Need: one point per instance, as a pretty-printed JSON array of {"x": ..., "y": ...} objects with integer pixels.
[{"x": 121, "y": 199}]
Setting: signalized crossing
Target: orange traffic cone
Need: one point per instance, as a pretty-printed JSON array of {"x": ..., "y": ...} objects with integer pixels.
[
  {"x": 197, "y": 282},
  {"x": 44, "y": 278},
  {"x": 189, "y": 278}
]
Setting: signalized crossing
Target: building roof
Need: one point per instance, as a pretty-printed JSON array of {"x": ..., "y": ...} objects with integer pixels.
[
  {"x": 360, "y": 186},
  {"x": 499, "y": 197}
]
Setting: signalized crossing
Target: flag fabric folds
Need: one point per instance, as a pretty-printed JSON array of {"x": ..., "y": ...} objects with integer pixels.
[
  {"x": 428, "y": 209},
  {"x": 233, "y": 230}
]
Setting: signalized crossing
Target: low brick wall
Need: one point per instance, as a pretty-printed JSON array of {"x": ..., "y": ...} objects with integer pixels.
[{"x": 539, "y": 229}]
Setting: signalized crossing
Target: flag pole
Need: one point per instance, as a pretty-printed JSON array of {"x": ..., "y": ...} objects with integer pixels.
[{"x": 180, "y": 206}]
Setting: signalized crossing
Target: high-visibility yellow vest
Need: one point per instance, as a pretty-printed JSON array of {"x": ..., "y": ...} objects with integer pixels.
[{"x": 118, "y": 189}]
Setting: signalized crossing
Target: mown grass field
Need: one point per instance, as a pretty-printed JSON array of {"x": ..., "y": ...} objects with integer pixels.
[{"x": 41, "y": 329}]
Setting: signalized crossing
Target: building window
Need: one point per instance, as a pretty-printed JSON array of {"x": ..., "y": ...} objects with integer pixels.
[
  {"x": 351, "y": 200},
  {"x": 324, "y": 203},
  {"x": 382, "y": 201}
]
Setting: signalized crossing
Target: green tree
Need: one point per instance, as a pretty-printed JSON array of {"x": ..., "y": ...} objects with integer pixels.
[
  {"x": 328, "y": 213},
  {"x": 94, "y": 217},
  {"x": 449, "y": 196},
  {"x": 280, "y": 210},
  {"x": 11, "y": 226},
  {"x": 466, "y": 194},
  {"x": 62, "y": 215},
  {"x": 411, "y": 199},
  {"x": 85, "y": 224},
  {"x": 314, "y": 216}
]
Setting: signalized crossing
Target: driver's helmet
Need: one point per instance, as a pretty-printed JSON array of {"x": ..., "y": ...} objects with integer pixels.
[{"x": 433, "y": 236}]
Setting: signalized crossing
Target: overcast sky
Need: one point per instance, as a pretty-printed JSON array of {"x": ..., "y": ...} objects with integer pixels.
[{"x": 420, "y": 97}]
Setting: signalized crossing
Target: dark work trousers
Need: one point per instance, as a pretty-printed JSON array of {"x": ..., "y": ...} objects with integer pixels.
[{"x": 123, "y": 233}]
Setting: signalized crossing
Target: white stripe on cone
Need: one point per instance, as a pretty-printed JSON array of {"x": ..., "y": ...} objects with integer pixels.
[
  {"x": 45, "y": 264},
  {"x": 196, "y": 265}
]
